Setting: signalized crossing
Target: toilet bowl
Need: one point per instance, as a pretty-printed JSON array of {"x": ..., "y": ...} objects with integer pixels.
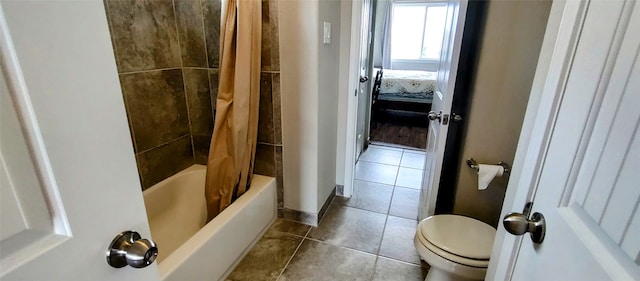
[{"x": 456, "y": 247}]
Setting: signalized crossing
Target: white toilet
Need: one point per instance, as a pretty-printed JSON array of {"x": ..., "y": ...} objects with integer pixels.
[{"x": 456, "y": 247}]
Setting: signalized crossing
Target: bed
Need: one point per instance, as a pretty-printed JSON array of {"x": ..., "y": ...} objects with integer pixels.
[
  {"x": 407, "y": 86},
  {"x": 407, "y": 91}
]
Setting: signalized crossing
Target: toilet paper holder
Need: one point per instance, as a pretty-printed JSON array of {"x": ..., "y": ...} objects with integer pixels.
[{"x": 474, "y": 165}]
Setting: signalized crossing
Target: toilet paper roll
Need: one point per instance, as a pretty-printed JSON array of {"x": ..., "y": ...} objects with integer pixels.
[{"x": 486, "y": 173}]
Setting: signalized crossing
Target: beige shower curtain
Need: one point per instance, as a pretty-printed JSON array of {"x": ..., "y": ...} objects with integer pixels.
[{"x": 233, "y": 145}]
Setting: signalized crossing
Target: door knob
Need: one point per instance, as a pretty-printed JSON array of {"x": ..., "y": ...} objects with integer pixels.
[
  {"x": 442, "y": 118},
  {"x": 432, "y": 115},
  {"x": 364, "y": 79},
  {"x": 127, "y": 248},
  {"x": 518, "y": 224}
]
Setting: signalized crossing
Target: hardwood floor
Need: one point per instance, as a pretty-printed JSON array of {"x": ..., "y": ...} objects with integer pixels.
[{"x": 401, "y": 128}]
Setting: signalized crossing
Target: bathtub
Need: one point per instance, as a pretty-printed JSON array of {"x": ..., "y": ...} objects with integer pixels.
[{"x": 191, "y": 250}]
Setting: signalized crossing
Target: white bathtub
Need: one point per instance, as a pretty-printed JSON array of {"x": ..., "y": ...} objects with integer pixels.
[{"x": 191, "y": 250}]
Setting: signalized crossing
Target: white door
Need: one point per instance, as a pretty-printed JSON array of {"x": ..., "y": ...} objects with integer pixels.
[
  {"x": 364, "y": 97},
  {"x": 589, "y": 170},
  {"x": 442, "y": 98},
  {"x": 67, "y": 169}
]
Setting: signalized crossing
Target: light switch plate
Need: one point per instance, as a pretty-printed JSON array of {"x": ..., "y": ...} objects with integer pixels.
[{"x": 327, "y": 33}]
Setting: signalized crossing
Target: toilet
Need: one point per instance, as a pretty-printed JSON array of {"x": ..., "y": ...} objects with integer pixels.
[{"x": 456, "y": 247}]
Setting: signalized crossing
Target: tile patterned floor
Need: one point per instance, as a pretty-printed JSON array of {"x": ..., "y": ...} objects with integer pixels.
[{"x": 366, "y": 237}]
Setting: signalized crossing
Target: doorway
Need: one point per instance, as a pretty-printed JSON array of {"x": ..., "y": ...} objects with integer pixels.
[
  {"x": 404, "y": 86},
  {"x": 404, "y": 72},
  {"x": 405, "y": 51},
  {"x": 497, "y": 60}
]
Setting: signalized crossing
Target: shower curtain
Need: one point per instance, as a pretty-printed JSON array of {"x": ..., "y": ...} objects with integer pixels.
[
  {"x": 233, "y": 144},
  {"x": 386, "y": 33}
]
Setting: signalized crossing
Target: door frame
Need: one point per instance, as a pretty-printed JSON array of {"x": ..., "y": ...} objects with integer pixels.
[
  {"x": 365, "y": 96},
  {"x": 350, "y": 140},
  {"x": 465, "y": 78},
  {"x": 556, "y": 56},
  {"x": 350, "y": 144}
]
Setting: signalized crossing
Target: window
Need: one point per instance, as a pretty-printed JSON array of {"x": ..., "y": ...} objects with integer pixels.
[{"x": 417, "y": 30}]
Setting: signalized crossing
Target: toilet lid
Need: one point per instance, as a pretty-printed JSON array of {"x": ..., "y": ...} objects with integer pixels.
[{"x": 459, "y": 235}]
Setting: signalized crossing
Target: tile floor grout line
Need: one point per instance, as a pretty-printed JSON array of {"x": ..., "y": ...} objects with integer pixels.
[
  {"x": 340, "y": 246},
  {"x": 378, "y": 182},
  {"x": 290, "y": 234},
  {"x": 398, "y": 217},
  {"x": 373, "y": 272},
  {"x": 377, "y": 153},
  {"x": 412, "y": 188},
  {"x": 377, "y": 256},
  {"x": 386, "y": 218},
  {"x": 291, "y": 258},
  {"x": 377, "y": 212},
  {"x": 421, "y": 169},
  {"x": 388, "y": 206},
  {"x": 393, "y": 146},
  {"x": 356, "y": 250},
  {"x": 384, "y": 228},
  {"x": 393, "y": 192},
  {"x": 401, "y": 261},
  {"x": 414, "y": 151},
  {"x": 307, "y": 233},
  {"x": 374, "y": 162},
  {"x": 360, "y": 209},
  {"x": 402, "y": 158},
  {"x": 396, "y": 179},
  {"x": 388, "y": 148},
  {"x": 372, "y": 182}
]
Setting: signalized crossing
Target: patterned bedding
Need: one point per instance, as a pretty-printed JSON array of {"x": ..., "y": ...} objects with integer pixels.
[{"x": 407, "y": 85}]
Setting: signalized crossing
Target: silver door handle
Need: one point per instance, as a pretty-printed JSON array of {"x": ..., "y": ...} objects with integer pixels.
[
  {"x": 127, "y": 248},
  {"x": 518, "y": 224},
  {"x": 442, "y": 118},
  {"x": 433, "y": 116}
]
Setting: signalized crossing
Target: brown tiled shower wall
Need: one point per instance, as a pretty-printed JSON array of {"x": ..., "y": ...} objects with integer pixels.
[
  {"x": 167, "y": 57},
  {"x": 269, "y": 149}
]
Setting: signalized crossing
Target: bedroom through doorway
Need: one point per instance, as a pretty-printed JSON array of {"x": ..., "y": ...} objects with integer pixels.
[
  {"x": 405, "y": 52},
  {"x": 402, "y": 131}
]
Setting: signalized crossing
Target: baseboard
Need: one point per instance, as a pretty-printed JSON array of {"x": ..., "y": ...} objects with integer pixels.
[
  {"x": 301, "y": 217},
  {"x": 326, "y": 204},
  {"x": 305, "y": 217}
]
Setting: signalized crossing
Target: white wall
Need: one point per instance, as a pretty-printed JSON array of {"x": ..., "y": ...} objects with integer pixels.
[
  {"x": 299, "y": 45},
  {"x": 309, "y": 85},
  {"x": 328, "y": 79}
]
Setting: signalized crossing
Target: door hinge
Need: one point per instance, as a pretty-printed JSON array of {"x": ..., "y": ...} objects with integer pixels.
[{"x": 355, "y": 93}]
